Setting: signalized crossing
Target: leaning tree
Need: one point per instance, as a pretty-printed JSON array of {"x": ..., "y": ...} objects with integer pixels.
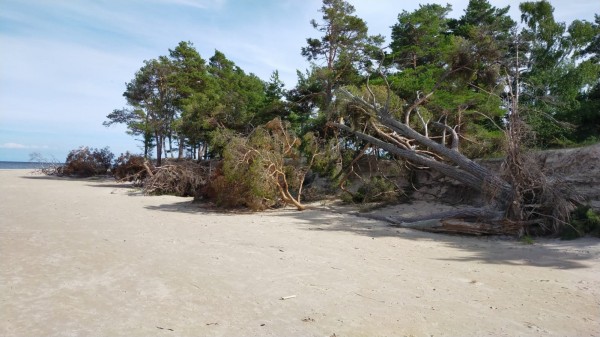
[
  {"x": 427, "y": 94},
  {"x": 519, "y": 198}
]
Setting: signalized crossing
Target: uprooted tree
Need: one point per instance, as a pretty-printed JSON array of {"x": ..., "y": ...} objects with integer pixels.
[
  {"x": 265, "y": 167},
  {"x": 436, "y": 95},
  {"x": 519, "y": 199}
]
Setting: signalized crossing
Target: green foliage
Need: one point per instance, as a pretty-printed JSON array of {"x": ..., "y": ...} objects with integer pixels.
[
  {"x": 274, "y": 106},
  {"x": 344, "y": 48},
  {"x": 559, "y": 67},
  {"x": 419, "y": 39},
  {"x": 264, "y": 168},
  {"x": 587, "y": 116},
  {"x": 482, "y": 142},
  {"x": 196, "y": 94},
  {"x": 181, "y": 97},
  {"x": 152, "y": 100},
  {"x": 460, "y": 72},
  {"x": 87, "y": 162},
  {"x": 241, "y": 183},
  {"x": 527, "y": 240},
  {"x": 484, "y": 35},
  {"x": 584, "y": 220},
  {"x": 457, "y": 70},
  {"x": 241, "y": 96},
  {"x": 377, "y": 189},
  {"x": 480, "y": 14},
  {"x": 137, "y": 122},
  {"x": 326, "y": 154}
]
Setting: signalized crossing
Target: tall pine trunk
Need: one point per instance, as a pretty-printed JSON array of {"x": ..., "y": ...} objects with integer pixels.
[{"x": 159, "y": 148}]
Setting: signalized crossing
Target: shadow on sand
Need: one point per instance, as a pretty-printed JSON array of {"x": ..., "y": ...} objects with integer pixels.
[
  {"x": 548, "y": 253},
  {"x": 97, "y": 181},
  {"x": 190, "y": 206}
]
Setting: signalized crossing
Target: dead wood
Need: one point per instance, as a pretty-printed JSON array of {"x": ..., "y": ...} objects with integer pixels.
[
  {"x": 471, "y": 221},
  {"x": 182, "y": 178}
]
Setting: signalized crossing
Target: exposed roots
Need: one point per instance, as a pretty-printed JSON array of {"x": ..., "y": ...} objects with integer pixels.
[{"x": 541, "y": 204}]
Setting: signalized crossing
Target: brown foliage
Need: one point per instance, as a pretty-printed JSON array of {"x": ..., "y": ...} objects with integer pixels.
[
  {"x": 87, "y": 162},
  {"x": 133, "y": 168},
  {"x": 180, "y": 178}
]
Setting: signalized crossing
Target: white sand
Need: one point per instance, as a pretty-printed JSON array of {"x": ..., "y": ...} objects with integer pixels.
[{"x": 94, "y": 258}]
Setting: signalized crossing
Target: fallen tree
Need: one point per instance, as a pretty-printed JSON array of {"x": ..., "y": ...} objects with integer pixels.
[
  {"x": 265, "y": 168},
  {"x": 525, "y": 199}
]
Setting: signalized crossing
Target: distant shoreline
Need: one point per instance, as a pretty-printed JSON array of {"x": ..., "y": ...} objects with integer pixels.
[{"x": 21, "y": 165}]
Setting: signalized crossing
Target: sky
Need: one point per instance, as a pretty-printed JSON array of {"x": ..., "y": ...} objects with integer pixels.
[{"x": 64, "y": 63}]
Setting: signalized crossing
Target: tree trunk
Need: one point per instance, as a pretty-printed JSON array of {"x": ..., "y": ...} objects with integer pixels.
[
  {"x": 181, "y": 143},
  {"x": 205, "y": 150},
  {"x": 483, "y": 175},
  {"x": 159, "y": 147},
  {"x": 147, "y": 143},
  {"x": 171, "y": 146},
  {"x": 465, "y": 171},
  {"x": 463, "y": 175}
]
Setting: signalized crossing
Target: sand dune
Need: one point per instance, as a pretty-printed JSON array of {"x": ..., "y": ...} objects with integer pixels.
[{"x": 96, "y": 258}]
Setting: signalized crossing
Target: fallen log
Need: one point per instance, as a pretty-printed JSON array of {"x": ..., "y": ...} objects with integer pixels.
[{"x": 472, "y": 221}]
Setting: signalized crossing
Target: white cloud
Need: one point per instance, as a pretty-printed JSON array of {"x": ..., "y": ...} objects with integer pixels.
[{"x": 21, "y": 146}]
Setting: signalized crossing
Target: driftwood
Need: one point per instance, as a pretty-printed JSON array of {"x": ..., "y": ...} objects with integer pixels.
[{"x": 473, "y": 221}]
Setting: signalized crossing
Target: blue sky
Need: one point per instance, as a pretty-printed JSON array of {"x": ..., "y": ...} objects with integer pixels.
[{"x": 64, "y": 63}]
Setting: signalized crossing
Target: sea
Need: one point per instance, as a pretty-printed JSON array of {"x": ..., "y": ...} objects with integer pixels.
[{"x": 21, "y": 165}]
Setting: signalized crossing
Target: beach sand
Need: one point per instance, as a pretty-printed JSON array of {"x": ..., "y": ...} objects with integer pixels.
[{"x": 96, "y": 258}]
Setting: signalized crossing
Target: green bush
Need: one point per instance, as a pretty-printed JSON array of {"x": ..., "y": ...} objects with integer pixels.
[
  {"x": 583, "y": 221},
  {"x": 377, "y": 189}
]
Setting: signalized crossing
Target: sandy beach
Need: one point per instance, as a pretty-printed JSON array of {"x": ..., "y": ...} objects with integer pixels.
[{"x": 97, "y": 258}]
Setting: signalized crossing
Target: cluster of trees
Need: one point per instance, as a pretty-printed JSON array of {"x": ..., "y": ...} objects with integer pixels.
[
  {"x": 180, "y": 103},
  {"x": 442, "y": 91},
  {"x": 182, "y": 99}
]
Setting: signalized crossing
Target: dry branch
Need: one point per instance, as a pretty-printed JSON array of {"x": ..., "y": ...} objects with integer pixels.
[{"x": 183, "y": 178}]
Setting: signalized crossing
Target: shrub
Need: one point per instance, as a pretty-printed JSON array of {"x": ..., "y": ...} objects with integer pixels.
[
  {"x": 87, "y": 162},
  {"x": 377, "y": 189},
  {"x": 583, "y": 221}
]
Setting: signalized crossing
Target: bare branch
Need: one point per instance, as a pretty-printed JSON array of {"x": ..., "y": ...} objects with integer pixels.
[{"x": 454, "y": 145}]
